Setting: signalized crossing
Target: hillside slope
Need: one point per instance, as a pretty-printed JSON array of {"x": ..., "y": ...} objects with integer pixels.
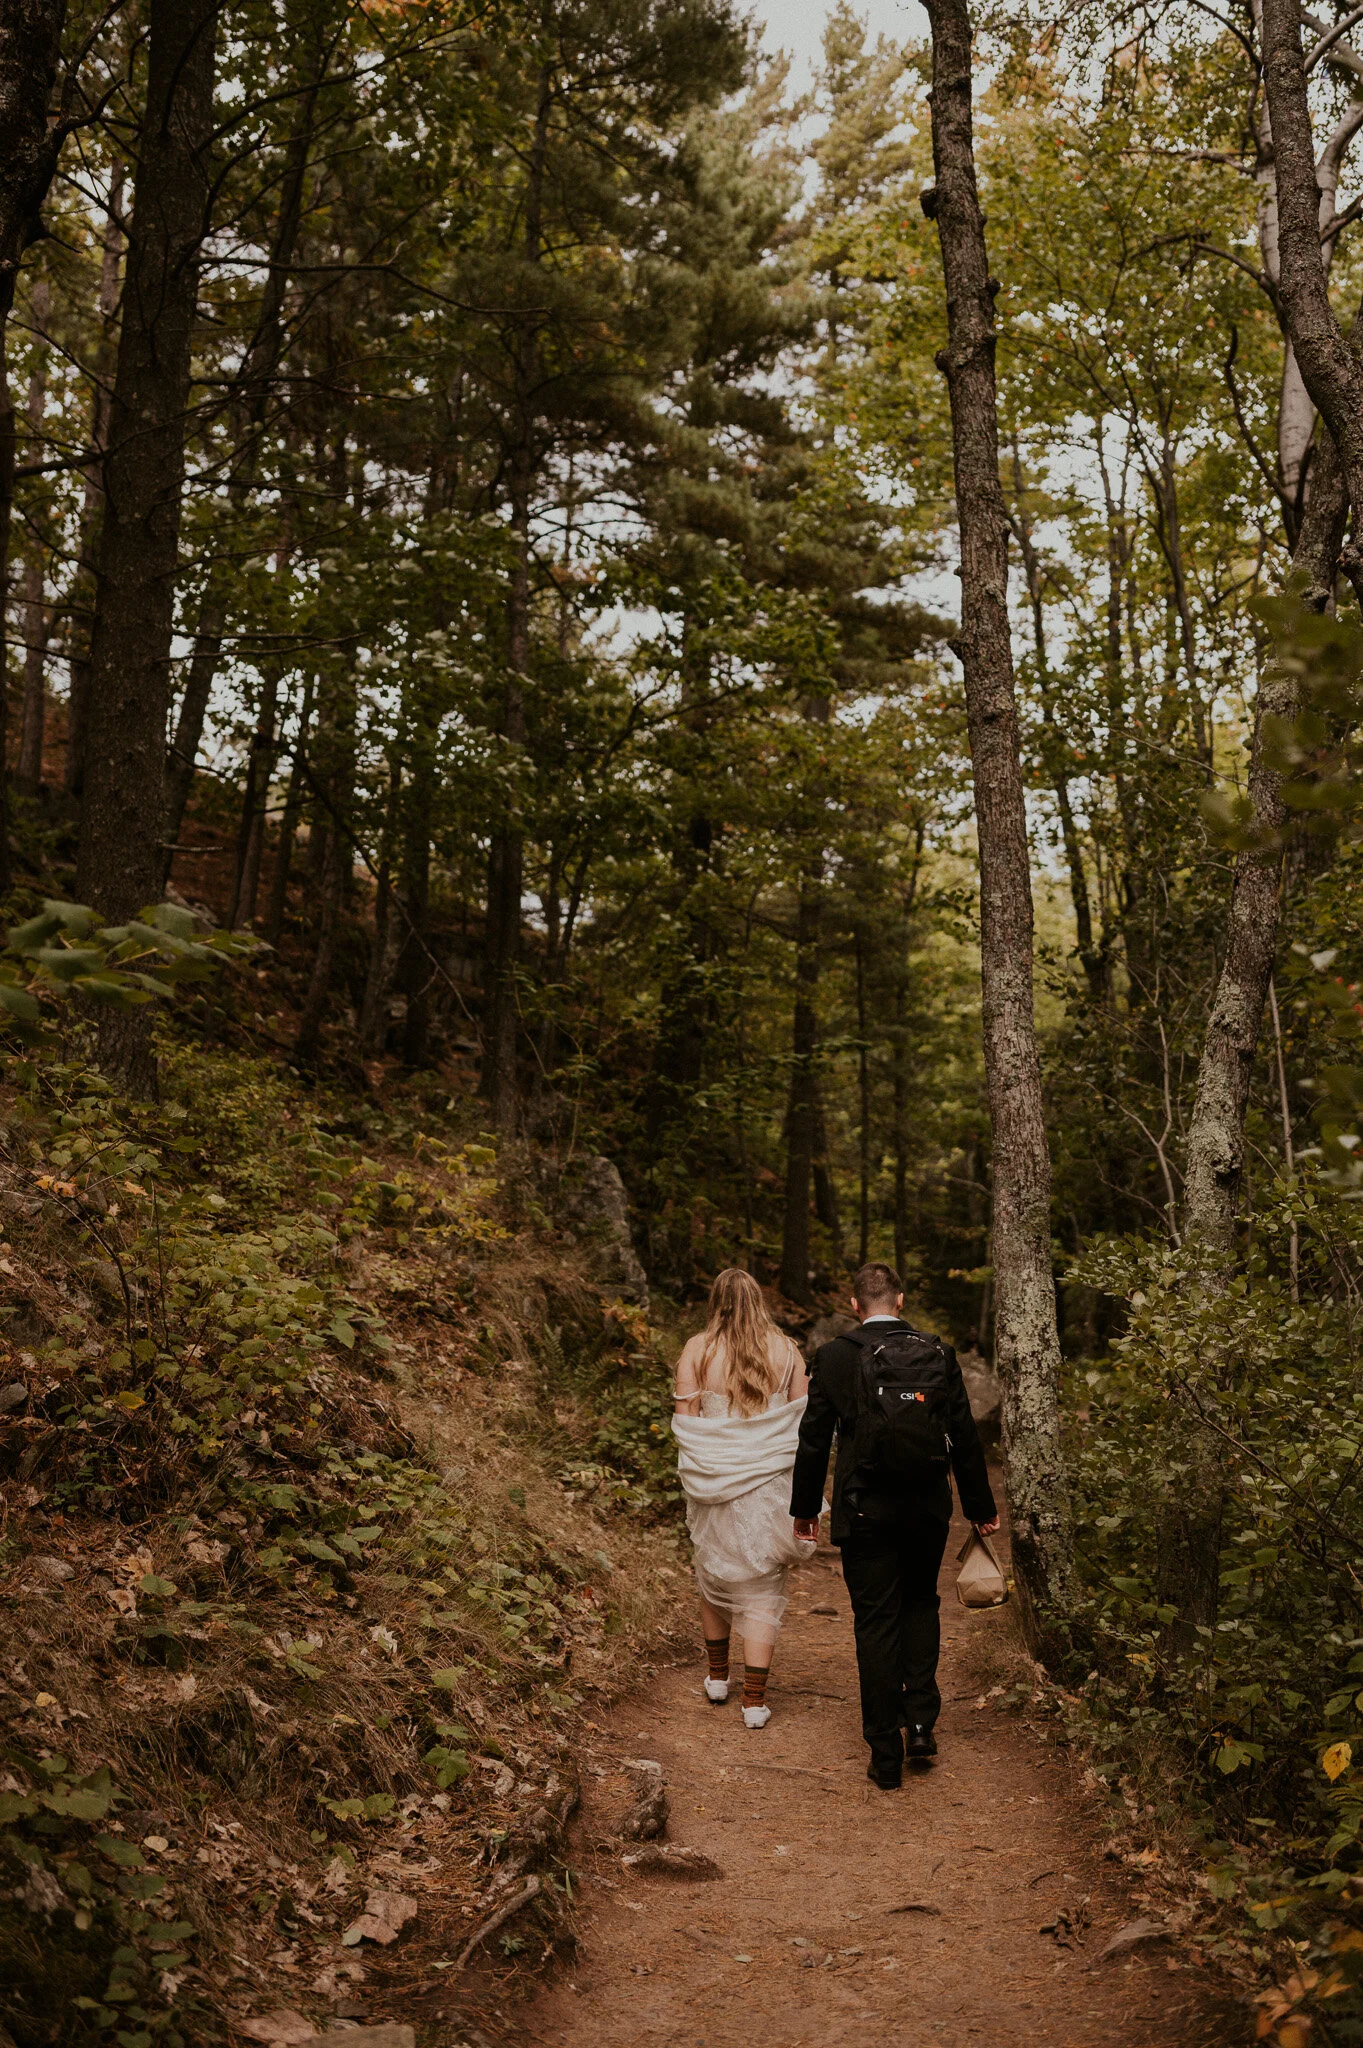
[{"x": 335, "y": 1496}]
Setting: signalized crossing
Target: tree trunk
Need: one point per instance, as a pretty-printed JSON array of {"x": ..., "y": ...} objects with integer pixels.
[
  {"x": 253, "y": 385},
  {"x": 899, "y": 1113},
  {"x": 1330, "y": 369},
  {"x": 288, "y": 825},
  {"x": 180, "y": 768},
  {"x": 416, "y": 966},
  {"x": 801, "y": 1110},
  {"x": 384, "y": 950},
  {"x": 307, "y": 1045},
  {"x": 333, "y": 779},
  {"x": 1189, "y": 1576},
  {"x": 37, "y": 616},
  {"x": 506, "y": 864},
  {"x": 1027, "y": 1344},
  {"x": 30, "y": 45},
  {"x": 120, "y": 863},
  {"x": 85, "y": 580},
  {"x": 863, "y": 1108}
]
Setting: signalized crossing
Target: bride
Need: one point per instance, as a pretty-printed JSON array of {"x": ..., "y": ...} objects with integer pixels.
[{"x": 740, "y": 1393}]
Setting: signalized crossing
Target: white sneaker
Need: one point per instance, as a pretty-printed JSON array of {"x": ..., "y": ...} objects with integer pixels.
[
  {"x": 717, "y": 1691},
  {"x": 756, "y": 1717}
]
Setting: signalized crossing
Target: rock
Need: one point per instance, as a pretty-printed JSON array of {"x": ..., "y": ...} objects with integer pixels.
[
  {"x": 654, "y": 1860},
  {"x": 1134, "y": 1935},
  {"x": 13, "y": 1396},
  {"x": 383, "y": 1919},
  {"x": 42, "y": 1893},
  {"x": 282, "y": 2028},
  {"x": 647, "y": 1818},
  {"x": 590, "y": 1198},
  {"x": 825, "y": 1330},
  {"x": 288, "y": 2029},
  {"x": 54, "y": 1568},
  {"x": 391, "y": 2035},
  {"x": 985, "y": 1390}
]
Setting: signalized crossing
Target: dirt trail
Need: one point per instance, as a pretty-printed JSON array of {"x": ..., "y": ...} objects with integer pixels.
[{"x": 796, "y": 1945}]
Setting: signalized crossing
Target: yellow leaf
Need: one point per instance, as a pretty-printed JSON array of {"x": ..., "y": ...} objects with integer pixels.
[{"x": 1337, "y": 1759}]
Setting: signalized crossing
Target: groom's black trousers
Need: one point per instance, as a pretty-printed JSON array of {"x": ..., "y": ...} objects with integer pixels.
[{"x": 891, "y": 1573}]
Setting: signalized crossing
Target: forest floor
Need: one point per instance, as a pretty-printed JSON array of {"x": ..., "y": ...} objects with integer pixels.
[{"x": 920, "y": 1915}]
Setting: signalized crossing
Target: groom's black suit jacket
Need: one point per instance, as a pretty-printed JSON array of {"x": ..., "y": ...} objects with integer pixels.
[{"x": 833, "y": 1407}]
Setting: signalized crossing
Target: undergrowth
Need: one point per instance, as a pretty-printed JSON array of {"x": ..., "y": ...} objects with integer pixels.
[{"x": 314, "y": 1469}]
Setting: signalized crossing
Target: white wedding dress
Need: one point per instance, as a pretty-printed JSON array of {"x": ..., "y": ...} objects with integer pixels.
[{"x": 735, "y": 1470}]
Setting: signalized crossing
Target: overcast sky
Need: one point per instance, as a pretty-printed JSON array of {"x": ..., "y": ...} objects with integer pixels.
[{"x": 797, "y": 25}]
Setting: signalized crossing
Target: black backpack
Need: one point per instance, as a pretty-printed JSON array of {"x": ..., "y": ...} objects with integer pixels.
[{"x": 902, "y": 1395}]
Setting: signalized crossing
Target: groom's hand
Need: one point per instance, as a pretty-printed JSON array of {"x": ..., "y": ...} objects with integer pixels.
[
  {"x": 987, "y": 1528},
  {"x": 808, "y": 1532}
]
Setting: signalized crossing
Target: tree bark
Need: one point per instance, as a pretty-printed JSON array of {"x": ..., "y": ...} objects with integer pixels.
[
  {"x": 288, "y": 826},
  {"x": 120, "y": 863},
  {"x": 180, "y": 768},
  {"x": 333, "y": 778},
  {"x": 863, "y": 1106},
  {"x": 30, "y": 45},
  {"x": 506, "y": 863},
  {"x": 37, "y": 616},
  {"x": 1027, "y": 1340},
  {"x": 253, "y": 385},
  {"x": 801, "y": 1109},
  {"x": 87, "y": 565},
  {"x": 1329, "y": 368}
]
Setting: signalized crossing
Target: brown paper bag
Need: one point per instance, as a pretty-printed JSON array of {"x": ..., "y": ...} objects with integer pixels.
[{"x": 981, "y": 1581}]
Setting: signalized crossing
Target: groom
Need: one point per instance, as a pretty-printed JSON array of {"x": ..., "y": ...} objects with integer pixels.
[{"x": 892, "y": 1532}]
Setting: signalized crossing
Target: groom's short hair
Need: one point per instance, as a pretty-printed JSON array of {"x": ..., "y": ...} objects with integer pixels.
[{"x": 877, "y": 1283}]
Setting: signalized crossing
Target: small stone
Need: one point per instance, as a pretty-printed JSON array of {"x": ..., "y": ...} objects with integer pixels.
[
  {"x": 54, "y": 1568},
  {"x": 391, "y": 2035},
  {"x": 13, "y": 1396}
]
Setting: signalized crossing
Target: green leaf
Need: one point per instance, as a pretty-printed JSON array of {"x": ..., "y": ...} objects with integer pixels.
[
  {"x": 172, "y": 918},
  {"x": 19, "y": 1003},
  {"x": 449, "y": 1765},
  {"x": 103, "y": 988},
  {"x": 125, "y": 1854},
  {"x": 342, "y": 1331},
  {"x": 445, "y": 1680},
  {"x": 157, "y": 1589},
  {"x": 77, "y": 1803}
]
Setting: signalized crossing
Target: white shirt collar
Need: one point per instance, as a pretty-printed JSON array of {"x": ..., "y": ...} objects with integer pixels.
[{"x": 879, "y": 1319}]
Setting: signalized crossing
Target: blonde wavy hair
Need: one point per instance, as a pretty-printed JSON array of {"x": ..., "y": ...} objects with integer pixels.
[{"x": 739, "y": 1322}]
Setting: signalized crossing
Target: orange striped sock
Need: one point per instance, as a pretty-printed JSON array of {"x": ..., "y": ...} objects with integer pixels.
[
  {"x": 755, "y": 1685},
  {"x": 718, "y": 1653}
]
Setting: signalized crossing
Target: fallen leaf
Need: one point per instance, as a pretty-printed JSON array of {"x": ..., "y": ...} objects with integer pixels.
[
  {"x": 1133, "y": 1935},
  {"x": 207, "y": 1550},
  {"x": 383, "y": 1919},
  {"x": 1336, "y": 1760}
]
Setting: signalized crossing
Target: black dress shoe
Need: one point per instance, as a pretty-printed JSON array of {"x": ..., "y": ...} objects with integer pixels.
[
  {"x": 921, "y": 1745},
  {"x": 887, "y": 1781}
]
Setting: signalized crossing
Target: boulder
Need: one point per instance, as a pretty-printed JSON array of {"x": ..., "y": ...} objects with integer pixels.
[
  {"x": 825, "y": 1329},
  {"x": 590, "y": 1199},
  {"x": 985, "y": 1389}
]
